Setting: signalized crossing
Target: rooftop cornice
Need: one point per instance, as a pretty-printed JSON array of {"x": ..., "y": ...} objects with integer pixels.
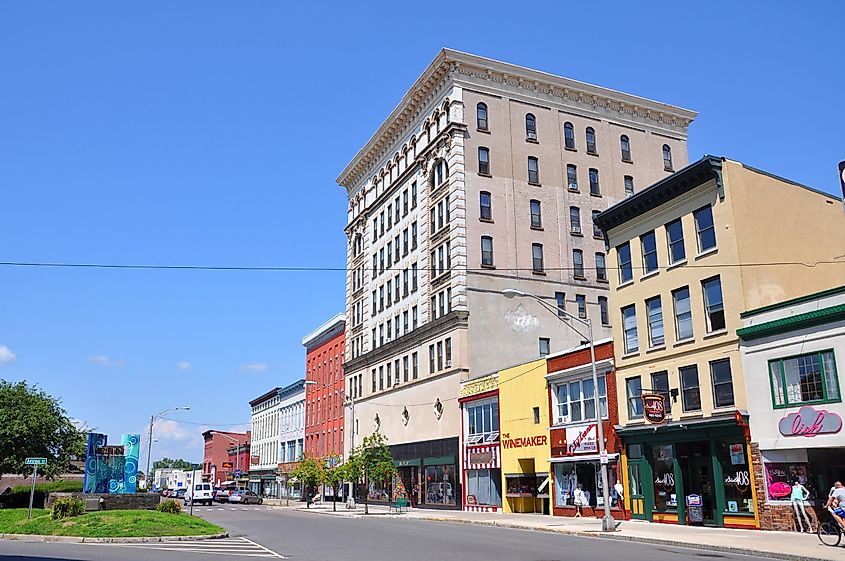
[
  {"x": 330, "y": 325},
  {"x": 454, "y": 65}
]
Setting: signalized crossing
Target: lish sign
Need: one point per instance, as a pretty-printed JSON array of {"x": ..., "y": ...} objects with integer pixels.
[{"x": 809, "y": 422}]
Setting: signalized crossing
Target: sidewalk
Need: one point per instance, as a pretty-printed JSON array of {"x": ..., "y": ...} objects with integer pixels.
[{"x": 779, "y": 545}]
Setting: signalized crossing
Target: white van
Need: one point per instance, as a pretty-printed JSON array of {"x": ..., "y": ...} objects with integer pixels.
[{"x": 199, "y": 493}]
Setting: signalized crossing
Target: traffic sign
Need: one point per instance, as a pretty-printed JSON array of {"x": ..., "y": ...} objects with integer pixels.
[
  {"x": 36, "y": 461},
  {"x": 237, "y": 473}
]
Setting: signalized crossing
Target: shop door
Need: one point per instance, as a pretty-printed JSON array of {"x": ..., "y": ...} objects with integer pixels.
[
  {"x": 700, "y": 478},
  {"x": 635, "y": 491}
]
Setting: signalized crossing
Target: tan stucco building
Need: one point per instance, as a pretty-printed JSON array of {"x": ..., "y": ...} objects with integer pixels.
[
  {"x": 691, "y": 253},
  {"x": 486, "y": 176}
]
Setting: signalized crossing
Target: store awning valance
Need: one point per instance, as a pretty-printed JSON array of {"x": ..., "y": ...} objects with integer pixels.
[{"x": 582, "y": 458}]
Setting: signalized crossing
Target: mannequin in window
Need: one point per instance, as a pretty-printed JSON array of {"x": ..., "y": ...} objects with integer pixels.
[
  {"x": 797, "y": 497},
  {"x": 580, "y": 499}
]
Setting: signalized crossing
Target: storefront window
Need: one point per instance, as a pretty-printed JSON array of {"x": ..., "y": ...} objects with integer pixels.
[
  {"x": 522, "y": 486},
  {"x": 569, "y": 475},
  {"x": 781, "y": 476},
  {"x": 485, "y": 485},
  {"x": 565, "y": 482},
  {"x": 735, "y": 469},
  {"x": 440, "y": 484},
  {"x": 665, "y": 497},
  {"x": 379, "y": 491}
]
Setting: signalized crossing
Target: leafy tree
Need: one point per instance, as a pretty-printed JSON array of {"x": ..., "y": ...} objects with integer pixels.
[
  {"x": 310, "y": 473},
  {"x": 33, "y": 423},
  {"x": 333, "y": 476},
  {"x": 178, "y": 463},
  {"x": 372, "y": 462}
]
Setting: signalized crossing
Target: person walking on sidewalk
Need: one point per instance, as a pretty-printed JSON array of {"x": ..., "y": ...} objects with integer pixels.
[
  {"x": 620, "y": 498},
  {"x": 580, "y": 499},
  {"x": 797, "y": 497}
]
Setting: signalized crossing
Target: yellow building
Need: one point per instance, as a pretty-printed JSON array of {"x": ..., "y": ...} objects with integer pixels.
[
  {"x": 691, "y": 253},
  {"x": 524, "y": 424}
]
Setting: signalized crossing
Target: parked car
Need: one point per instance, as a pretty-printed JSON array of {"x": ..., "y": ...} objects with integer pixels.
[
  {"x": 178, "y": 494},
  {"x": 223, "y": 494},
  {"x": 244, "y": 496},
  {"x": 199, "y": 493}
]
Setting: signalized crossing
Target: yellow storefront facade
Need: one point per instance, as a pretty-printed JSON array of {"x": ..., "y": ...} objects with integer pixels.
[{"x": 524, "y": 423}]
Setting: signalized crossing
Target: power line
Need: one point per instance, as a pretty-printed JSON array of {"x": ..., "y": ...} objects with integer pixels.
[{"x": 147, "y": 267}]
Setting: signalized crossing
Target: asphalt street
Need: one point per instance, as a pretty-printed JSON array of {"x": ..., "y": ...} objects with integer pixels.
[{"x": 267, "y": 533}]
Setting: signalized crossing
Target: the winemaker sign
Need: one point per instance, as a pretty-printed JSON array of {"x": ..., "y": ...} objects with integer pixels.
[
  {"x": 524, "y": 441},
  {"x": 809, "y": 422}
]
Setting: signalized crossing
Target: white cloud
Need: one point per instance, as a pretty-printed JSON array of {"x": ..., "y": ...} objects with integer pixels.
[
  {"x": 184, "y": 365},
  {"x": 103, "y": 360},
  {"x": 254, "y": 367},
  {"x": 6, "y": 356}
]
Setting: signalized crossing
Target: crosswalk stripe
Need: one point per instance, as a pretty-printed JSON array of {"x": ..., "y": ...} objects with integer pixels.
[{"x": 240, "y": 547}]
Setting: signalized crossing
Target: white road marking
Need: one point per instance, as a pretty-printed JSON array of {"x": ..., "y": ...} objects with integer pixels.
[{"x": 240, "y": 547}]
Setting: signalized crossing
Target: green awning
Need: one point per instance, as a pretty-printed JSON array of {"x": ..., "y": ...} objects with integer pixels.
[
  {"x": 439, "y": 461},
  {"x": 408, "y": 463},
  {"x": 793, "y": 323}
]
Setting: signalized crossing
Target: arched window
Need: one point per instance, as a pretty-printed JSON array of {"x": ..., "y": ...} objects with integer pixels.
[
  {"x": 625, "y": 145},
  {"x": 481, "y": 116},
  {"x": 667, "y": 158},
  {"x": 530, "y": 127},
  {"x": 591, "y": 140},
  {"x": 439, "y": 174},
  {"x": 569, "y": 136}
]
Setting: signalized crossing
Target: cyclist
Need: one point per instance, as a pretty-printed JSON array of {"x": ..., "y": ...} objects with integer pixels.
[{"x": 834, "y": 503}]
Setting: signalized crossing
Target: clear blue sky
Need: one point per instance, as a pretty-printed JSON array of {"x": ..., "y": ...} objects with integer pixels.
[{"x": 211, "y": 133}]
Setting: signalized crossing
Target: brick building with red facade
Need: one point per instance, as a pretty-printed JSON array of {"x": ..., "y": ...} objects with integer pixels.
[
  {"x": 219, "y": 448},
  {"x": 324, "y": 388},
  {"x": 573, "y": 431}
]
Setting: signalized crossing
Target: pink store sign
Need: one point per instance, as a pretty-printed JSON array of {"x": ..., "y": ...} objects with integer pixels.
[{"x": 809, "y": 422}]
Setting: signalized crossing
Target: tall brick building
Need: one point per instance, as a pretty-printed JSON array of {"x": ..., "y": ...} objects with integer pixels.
[
  {"x": 216, "y": 452},
  {"x": 324, "y": 388}
]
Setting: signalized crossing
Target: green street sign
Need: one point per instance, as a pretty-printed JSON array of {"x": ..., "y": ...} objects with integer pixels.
[{"x": 36, "y": 461}]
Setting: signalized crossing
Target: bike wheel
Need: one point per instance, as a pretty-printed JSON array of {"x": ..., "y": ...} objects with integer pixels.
[{"x": 829, "y": 533}]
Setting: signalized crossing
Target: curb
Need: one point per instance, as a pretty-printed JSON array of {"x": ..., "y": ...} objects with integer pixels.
[
  {"x": 614, "y": 536},
  {"x": 78, "y": 539}
]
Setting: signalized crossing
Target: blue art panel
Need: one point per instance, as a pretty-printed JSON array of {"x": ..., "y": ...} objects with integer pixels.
[
  {"x": 95, "y": 440},
  {"x": 131, "y": 451}
]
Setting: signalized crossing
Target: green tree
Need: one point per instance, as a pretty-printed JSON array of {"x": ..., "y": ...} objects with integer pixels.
[
  {"x": 372, "y": 462},
  {"x": 333, "y": 476},
  {"x": 309, "y": 473},
  {"x": 177, "y": 463},
  {"x": 33, "y": 423}
]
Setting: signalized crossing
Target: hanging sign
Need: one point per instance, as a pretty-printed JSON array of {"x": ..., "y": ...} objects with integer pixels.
[
  {"x": 654, "y": 408},
  {"x": 809, "y": 422}
]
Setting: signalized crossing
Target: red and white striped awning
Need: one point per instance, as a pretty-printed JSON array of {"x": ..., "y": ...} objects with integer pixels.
[{"x": 482, "y": 456}]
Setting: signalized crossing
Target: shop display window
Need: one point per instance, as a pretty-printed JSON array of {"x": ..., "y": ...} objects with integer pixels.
[
  {"x": 665, "y": 497},
  {"x": 379, "y": 491},
  {"x": 587, "y": 474},
  {"x": 522, "y": 486},
  {"x": 780, "y": 477},
  {"x": 485, "y": 485},
  {"x": 440, "y": 485},
  {"x": 737, "y": 475}
]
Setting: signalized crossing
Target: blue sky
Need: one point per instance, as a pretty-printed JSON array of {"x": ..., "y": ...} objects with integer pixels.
[{"x": 211, "y": 133}]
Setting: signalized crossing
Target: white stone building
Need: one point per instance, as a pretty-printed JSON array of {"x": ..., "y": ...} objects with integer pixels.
[{"x": 486, "y": 176}]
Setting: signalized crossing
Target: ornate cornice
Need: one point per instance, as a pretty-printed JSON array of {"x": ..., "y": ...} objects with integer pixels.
[{"x": 453, "y": 66}]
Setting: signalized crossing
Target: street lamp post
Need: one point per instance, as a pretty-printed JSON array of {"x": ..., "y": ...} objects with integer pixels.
[
  {"x": 237, "y": 451},
  {"x": 153, "y": 419},
  {"x": 350, "y": 402},
  {"x": 607, "y": 522}
]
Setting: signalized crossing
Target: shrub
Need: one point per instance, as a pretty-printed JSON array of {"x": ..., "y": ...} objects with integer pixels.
[
  {"x": 170, "y": 507},
  {"x": 66, "y": 507},
  {"x": 19, "y": 497}
]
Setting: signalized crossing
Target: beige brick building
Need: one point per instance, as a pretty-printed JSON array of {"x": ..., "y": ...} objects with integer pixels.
[
  {"x": 486, "y": 176},
  {"x": 690, "y": 253}
]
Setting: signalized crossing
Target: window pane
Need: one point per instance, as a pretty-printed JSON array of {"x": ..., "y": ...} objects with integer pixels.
[
  {"x": 675, "y": 233},
  {"x": 626, "y": 273},
  {"x": 649, "y": 249},
  {"x": 829, "y": 364},
  {"x": 715, "y": 313},
  {"x": 563, "y": 401},
  {"x": 655, "y": 322},
  {"x": 629, "y": 324},
  {"x": 776, "y": 375},
  {"x": 660, "y": 385},
  {"x": 589, "y": 399},
  {"x": 635, "y": 402},
  {"x": 575, "y": 400},
  {"x": 689, "y": 385},
  {"x": 704, "y": 228},
  {"x": 723, "y": 391},
  {"x": 683, "y": 314}
]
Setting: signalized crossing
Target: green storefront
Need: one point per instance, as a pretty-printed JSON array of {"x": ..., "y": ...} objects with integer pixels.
[{"x": 691, "y": 472}]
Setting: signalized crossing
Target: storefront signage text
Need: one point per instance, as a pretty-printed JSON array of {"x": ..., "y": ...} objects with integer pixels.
[
  {"x": 739, "y": 479},
  {"x": 654, "y": 408},
  {"x": 524, "y": 441},
  {"x": 809, "y": 422},
  {"x": 480, "y": 456},
  {"x": 582, "y": 440}
]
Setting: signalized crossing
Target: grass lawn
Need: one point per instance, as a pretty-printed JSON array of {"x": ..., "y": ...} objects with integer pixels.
[{"x": 106, "y": 524}]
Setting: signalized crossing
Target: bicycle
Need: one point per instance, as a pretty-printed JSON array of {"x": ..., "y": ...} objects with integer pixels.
[{"x": 829, "y": 532}]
